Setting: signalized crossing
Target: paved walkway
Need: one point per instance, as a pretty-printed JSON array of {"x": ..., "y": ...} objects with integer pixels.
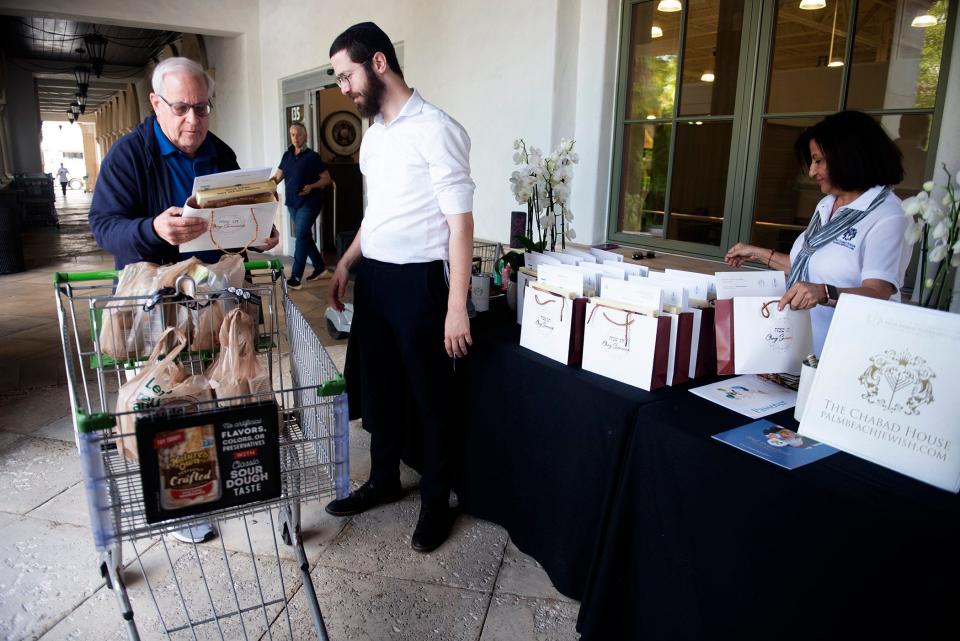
[{"x": 371, "y": 584}]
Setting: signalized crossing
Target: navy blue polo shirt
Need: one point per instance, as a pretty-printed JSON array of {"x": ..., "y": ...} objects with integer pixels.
[
  {"x": 182, "y": 170},
  {"x": 299, "y": 170}
]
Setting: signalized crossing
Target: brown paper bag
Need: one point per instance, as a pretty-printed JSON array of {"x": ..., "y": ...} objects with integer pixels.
[
  {"x": 237, "y": 370},
  {"x": 118, "y": 339},
  {"x": 160, "y": 382}
]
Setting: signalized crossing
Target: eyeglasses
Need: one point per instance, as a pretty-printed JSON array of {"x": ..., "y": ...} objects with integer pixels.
[
  {"x": 344, "y": 78},
  {"x": 201, "y": 109}
]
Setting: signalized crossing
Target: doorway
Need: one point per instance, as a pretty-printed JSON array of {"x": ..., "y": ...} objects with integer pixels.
[{"x": 334, "y": 130}]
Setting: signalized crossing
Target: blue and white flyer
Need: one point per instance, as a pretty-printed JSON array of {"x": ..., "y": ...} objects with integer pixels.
[
  {"x": 776, "y": 444},
  {"x": 749, "y": 395}
]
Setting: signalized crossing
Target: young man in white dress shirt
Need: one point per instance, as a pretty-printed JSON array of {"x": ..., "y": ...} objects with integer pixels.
[{"x": 416, "y": 241}]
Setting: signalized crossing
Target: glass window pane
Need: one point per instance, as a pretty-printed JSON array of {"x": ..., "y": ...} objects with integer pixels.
[
  {"x": 806, "y": 43},
  {"x": 785, "y": 196},
  {"x": 711, "y": 55},
  {"x": 911, "y": 133},
  {"x": 643, "y": 187},
  {"x": 699, "y": 181},
  {"x": 896, "y": 65},
  {"x": 652, "y": 73}
]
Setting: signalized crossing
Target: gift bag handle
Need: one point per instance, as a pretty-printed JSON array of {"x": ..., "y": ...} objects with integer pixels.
[
  {"x": 551, "y": 300},
  {"x": 627, "y": 322},
  {"x": 256, "y": 234},
  {"x": 764, "y": 309}
]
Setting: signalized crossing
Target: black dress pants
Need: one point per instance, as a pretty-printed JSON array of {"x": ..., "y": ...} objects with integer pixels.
[{"x": 399, "y": 314}]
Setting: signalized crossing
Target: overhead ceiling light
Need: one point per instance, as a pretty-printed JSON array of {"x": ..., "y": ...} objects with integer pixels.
[
  {"x": 708, "y": 76},
  {"x": 830, "y": 61},
  {"x": 669, "y": 6},
  {"x": 810, "y": 5},
  {"x": 923, "y": 21},
  {"x": 651, "y": 117},
  {"x": 656, "y": 32},
  {"x": 699, "y": 122}
]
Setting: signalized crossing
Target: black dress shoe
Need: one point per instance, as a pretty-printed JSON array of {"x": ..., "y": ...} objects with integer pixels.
[
  {"x": 363, "y": 498},
  {"x": 433, "y": 528}
]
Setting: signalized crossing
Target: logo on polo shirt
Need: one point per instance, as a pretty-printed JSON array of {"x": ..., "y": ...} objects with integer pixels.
[{"x": 846, "y": 237}]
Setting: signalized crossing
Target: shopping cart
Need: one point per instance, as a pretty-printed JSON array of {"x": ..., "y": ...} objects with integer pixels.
[
  {"x": 485, "y": 256},
  {"x": 244, "y": 584}
]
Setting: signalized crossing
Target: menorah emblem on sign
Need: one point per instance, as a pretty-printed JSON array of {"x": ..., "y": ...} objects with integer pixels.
[{"x": 898, "y": 382}]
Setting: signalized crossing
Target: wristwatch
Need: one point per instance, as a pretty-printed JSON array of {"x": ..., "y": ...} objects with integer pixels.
[{"x": 832, "y": 294}]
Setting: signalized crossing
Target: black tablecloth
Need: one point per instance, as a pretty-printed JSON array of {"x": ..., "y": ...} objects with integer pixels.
[
  {"x": 705, "y": 541},
  {"x": 542, "y": 448}
]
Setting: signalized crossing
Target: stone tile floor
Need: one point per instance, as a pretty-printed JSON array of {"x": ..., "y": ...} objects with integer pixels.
[{"x": 370, "y": 583}]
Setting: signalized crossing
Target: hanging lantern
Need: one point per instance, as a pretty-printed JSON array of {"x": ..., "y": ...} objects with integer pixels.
[
  {"x": 82, "y": 74},
  {"x": 82, "y": 102},
  {"x": 97, "y": 50}
]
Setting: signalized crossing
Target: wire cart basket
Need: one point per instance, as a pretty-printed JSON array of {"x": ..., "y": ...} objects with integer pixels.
[{"x": 244, "y": 583}]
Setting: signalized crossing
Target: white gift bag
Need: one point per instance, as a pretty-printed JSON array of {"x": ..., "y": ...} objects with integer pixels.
[
  {"x": 768, "y": 341},
  {"x": 553, "y": 323},
  {"x": 626, "y": 344}
]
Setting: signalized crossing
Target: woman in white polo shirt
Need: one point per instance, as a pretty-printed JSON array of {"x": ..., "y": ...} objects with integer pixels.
[{"x": 854, "y": 243}]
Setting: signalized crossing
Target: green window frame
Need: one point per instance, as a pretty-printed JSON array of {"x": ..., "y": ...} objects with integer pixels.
[{"x": 753, "y": 79}]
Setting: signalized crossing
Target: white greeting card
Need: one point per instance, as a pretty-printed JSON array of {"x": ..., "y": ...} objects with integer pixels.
[{"x": 750, "y": 283}]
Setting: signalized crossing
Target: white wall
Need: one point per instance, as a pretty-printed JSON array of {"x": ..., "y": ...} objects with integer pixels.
[{"x": 490, "y": 65}]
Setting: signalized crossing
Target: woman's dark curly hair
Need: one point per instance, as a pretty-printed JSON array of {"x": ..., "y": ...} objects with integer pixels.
[{"x": 859, "y": 153}]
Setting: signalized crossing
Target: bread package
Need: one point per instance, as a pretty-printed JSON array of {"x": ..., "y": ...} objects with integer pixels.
[{"x": 188, "y": 466}]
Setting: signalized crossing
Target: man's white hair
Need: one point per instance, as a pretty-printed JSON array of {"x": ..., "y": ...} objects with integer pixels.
[{"x": 180, "y": 65}]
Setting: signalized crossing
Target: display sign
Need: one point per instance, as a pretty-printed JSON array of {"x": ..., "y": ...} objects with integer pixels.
[
  {"x": 885, "y": 388},
  {"x": 200, "y": 462}
]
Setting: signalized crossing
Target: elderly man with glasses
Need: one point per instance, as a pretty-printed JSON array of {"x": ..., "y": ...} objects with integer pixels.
[{"x": 148, "y": 174}]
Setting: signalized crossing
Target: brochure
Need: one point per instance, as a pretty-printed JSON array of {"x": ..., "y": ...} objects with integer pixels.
[
  {"x": 749, "y": 395},
  {"x": 776, "y": 444}
]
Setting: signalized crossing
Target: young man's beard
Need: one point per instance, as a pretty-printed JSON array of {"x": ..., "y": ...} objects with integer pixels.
[{"x": 373, "y": 96}]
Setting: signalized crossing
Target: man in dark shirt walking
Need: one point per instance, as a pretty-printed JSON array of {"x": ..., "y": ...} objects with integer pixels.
[{"x": 306, "y": 175}]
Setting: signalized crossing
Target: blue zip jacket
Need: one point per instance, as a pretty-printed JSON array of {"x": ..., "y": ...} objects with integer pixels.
[{"x": 132, "y": 188}]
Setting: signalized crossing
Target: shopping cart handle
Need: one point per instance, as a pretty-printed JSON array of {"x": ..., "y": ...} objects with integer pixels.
[
  {"x": 87, "y": 423},
  {"x": 334, "y": 387},
  {"x": 110, "y": 274}
]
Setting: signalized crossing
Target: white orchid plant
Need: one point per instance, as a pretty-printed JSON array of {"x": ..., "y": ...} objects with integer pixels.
[
  {"x": 543, "y": 184},
  {"x": 934, "y": 224}
]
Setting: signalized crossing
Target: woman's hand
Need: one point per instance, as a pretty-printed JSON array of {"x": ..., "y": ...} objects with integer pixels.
[
  {"x": 741, "y": 253},
  {"x": 803, "y": 296}
]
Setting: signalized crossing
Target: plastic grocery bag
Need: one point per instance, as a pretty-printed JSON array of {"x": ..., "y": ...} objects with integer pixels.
[
  {"x": 227, "y": 272},
  {"x": 118, "y": 338},
  {"x": 237, "y": 371},
  {"x": 161, "y": 382}
]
